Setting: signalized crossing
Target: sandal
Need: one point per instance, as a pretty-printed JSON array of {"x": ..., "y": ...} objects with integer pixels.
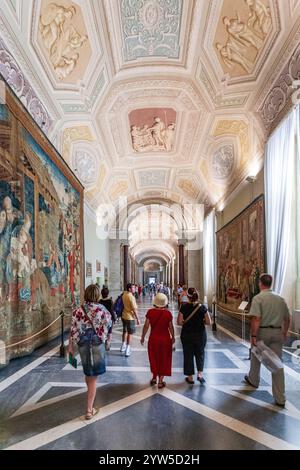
[
  {"x": 201, "y": 380},
  {"x": 153, "y": 382},
  {"x": 190, "y": 382},
  {"x": 162, "y": 384},
  {"x": 90, "y": 414}
]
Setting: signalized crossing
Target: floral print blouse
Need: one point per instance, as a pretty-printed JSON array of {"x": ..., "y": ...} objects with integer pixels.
[{"x": 100, "y": 317}]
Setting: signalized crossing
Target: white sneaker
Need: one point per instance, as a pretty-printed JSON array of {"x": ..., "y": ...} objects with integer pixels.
[
  {"x": 128, "y": 351},
  {"x": 123, "y": 348}
]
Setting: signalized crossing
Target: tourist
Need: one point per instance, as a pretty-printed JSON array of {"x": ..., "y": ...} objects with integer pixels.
[
  {"x": 161, "y": 339},
  {"x": 162, "y": 289},
  {"x": 136, "y": 291},
  {"x": 108, "y": 304},
  {"x": 129, "y": 318},
  {"x": 140, "y": 290},
  {"x": 183, "y": 298},
  {"x": 193, "y": 317},
  {"x": 179, "y": 290},
  {"x": 270, "y": 324},
  {"x": 89, "y": 329}
]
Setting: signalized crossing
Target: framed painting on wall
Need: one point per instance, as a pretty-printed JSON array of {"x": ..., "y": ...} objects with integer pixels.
[
  {"x": 98, "y": 266},
  {"x": 41, "y": 230},
  {"x": 241, "y": 257},
  {"x": 88, "y": 269}
]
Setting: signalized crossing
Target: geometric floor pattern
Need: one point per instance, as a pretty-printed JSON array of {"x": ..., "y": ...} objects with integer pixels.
[{"x": 42, "y": 401}]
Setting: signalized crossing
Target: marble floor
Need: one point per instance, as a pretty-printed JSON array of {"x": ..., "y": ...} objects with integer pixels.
[{"x": 42, "y": 401}]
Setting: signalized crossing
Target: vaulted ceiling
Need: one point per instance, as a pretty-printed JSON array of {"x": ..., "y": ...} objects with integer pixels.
[{"x": 153, "y": 99}]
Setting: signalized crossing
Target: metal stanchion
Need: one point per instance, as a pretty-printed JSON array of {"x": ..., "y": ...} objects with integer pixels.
[
  {"x": 62, "y": 343},
  {"x": 214, "y": 325}
]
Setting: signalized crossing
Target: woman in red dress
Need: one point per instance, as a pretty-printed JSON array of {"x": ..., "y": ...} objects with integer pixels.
[{"x": 161, "y": 340}]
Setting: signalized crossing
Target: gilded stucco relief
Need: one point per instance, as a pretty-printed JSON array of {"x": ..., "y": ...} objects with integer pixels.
[
  {"x": 64, "y": 39},
  {"x": 241, "y": 35},
  {"x": 95, "y": 191},
  {"x": 71, "y": 135},
  {"x": 152, "y": 130},
  {"x": 223, "y": 166},
  {"x": 188, "y": 187},
  {"x": 119, "y": 188},
  {"x": 84, "y": 162},
  {"x": 237, "y": 128}
]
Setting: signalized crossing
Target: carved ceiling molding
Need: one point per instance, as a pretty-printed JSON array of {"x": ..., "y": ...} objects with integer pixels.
[
  {"x": 87, "y": 105},
  {"x": 181, "y": 84},
  {"x": 278, "y": 101},
  {"x": 219, "y": 99},
  {"x": 15, "y": 7},
  {"x": 294, "y": 4}
]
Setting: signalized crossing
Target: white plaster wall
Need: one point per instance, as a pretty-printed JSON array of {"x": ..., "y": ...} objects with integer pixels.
[{"x": 94, "y": 249}]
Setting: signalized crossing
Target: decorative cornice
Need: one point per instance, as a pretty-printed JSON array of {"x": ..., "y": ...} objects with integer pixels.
[
  {"x": 12, "y": 45},
  {"x": 279, "y": 101},
  {"x": 15, "y": 78}
]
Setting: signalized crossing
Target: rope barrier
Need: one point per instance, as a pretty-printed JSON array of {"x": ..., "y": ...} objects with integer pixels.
[
  {"x": 232, "y": 312},
  {"x": 248, "y": 315},
  {"x": 33, "y": 336}
]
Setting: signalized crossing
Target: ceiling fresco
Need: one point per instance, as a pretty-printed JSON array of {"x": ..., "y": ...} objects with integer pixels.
[
  {"x": 151, "y": 28},
  {"x": 154, "y": 99}
]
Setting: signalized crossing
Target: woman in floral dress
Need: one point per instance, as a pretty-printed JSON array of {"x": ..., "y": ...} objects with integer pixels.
[{"x": 89, "y": 329}]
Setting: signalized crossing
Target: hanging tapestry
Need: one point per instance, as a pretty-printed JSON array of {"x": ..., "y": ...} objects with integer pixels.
[
  {"x": 41, "y": 235},
  {"x": 241, "y": 257}
]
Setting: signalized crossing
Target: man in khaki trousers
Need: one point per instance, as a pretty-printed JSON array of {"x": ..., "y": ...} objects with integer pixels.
[{"x": 270, "y": 323}]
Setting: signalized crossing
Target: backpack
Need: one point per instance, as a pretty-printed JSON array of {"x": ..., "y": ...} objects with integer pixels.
[{"x": 119, "y": 306}]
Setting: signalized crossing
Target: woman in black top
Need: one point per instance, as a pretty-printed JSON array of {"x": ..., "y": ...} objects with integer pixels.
[
  {"x": 108, "y": 304},
  {"x": 193, "y": 335}
]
